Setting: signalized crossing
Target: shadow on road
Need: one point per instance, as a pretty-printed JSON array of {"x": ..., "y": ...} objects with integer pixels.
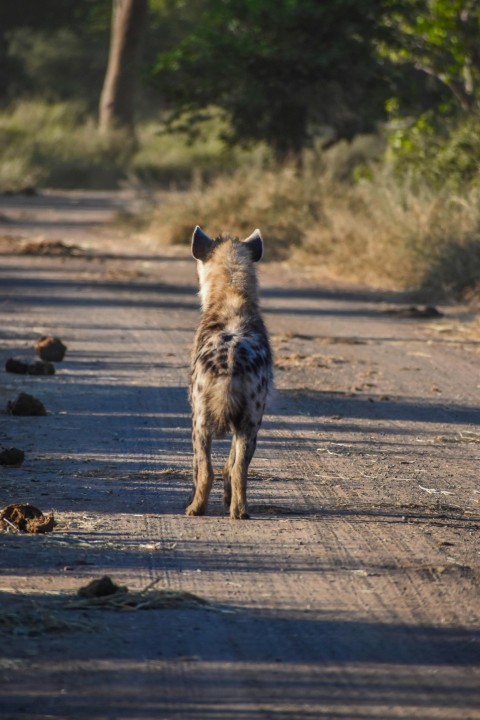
[{"x": 297, "y": 664}]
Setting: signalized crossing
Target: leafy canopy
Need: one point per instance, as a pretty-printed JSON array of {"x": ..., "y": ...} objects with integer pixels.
[
  {"x": 441, "y": 39},
  {"x": 279, "y": 68}
]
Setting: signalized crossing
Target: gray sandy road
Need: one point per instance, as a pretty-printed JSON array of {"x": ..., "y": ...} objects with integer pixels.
[{"x": 353, "y": 592}]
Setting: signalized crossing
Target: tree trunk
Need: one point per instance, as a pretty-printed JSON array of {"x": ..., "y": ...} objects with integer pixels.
[{"x": 117, "y": 101}]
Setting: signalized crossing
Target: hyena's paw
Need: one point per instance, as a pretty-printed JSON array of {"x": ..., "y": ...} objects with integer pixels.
[
  {"x": 194, "y": 510},
  {"x": 189, "y": 499},
  {"x": 238, "y": 513}
]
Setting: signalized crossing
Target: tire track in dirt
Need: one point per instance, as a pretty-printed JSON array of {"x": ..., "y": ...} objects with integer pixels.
[{"x": 351, "y": 593}]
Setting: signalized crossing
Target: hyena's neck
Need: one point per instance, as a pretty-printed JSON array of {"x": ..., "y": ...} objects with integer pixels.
[
  {"x": 229, "y": 308},
  {"x": 228, "y": 291}
]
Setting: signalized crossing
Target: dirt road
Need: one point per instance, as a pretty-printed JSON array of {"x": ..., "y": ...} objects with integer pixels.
[{"x": 353, "y": 592}]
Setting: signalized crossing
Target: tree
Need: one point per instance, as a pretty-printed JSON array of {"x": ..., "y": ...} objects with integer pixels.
[
  {"x": 440, "y": 38},
  {"x": 436, "y": 141},
  {"x": 279, "y": 68},
  {"x": 28, "y": 24},
  {"x": 117, "y": 100}
]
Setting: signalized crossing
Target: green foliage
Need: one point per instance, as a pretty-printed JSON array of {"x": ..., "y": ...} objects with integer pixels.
[
  {"x": 86, "y": 23},
  {"x": 279, "y": 68},
  {"x": 58, "y": 65},
  {"x": 440, "y": 153},
  {"x": 440, "y": 38},
  {"x": 57, "y": 145},
  {"x": 436, "y": 141}
]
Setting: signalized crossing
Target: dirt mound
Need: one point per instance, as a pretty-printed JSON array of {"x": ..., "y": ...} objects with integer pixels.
[{"x": 26, "y": 518}]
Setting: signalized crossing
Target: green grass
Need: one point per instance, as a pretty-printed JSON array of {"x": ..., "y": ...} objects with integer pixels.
[{"x": 58, "y": 145}]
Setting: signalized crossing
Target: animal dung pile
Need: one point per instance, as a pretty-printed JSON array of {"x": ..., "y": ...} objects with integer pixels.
[
  {"x": 104, "y": 593},
  {"x": 23, "y": 367},
  {"x": 50, "y": 348},
  {"x": 13, "y": 457},
  {"x": 26, "y": 405},
  {"x": 26, "y": 518},
  {"x": 100, "y": 587},
  {"x": 55, "y": 248},
  {"x": 429, "y": 312}
]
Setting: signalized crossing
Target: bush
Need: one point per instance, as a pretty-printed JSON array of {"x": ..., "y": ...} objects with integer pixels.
[
  {"x": 345, "y": 210},
  {"x": 57, "y": 65},
  {"x": 373, "y": 231},
  {"x": 58, "y": 145},
  {"x": 441, "y": 154}
]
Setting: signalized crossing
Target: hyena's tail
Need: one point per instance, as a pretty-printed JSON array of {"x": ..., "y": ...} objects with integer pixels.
[{"x": 242, "y": 383}]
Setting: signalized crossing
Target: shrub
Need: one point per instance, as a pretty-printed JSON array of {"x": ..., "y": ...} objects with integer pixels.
[
  {"x": 373, "y": 231},
  {"x": 442, "y": 154},
  {"x": 58, "y": 145}
]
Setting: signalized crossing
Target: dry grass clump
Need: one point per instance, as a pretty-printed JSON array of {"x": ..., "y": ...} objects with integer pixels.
[
  {"x": 373, "y": 229},
  {"x": 345, "y": 209},
  {"x": 381, "y": 232},
  {"x": 273, "y": 200},
  {"x": 57, "y": 145}
]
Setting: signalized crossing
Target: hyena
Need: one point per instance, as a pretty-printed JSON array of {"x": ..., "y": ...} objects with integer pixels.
[{"x": 231, "y": 365}]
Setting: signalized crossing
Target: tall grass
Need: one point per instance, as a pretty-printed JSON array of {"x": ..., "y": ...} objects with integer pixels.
[
  {"x": 345, "y": 210},
  {"x": 58, "y": 145},
  {"x": 356, "y": 221}
]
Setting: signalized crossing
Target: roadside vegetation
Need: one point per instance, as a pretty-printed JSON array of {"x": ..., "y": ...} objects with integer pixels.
[
  {"x": 362, "y": 157},
  {"x": 346, "y": 210}
]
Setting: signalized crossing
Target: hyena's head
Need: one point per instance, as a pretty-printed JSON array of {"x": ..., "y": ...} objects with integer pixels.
[{"x": 226, "y": 263}]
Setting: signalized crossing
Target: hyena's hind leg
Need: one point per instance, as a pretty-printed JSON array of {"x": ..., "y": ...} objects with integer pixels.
[
  {"x": 244, "y": 449},
  {"x": 202, "y": 475},
  {"x": 227, "y": 476},
  {"x": 195, "y": 462}
]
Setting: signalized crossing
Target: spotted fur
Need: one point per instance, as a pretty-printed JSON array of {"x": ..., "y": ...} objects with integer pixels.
[{"x": 231, "y": 368}]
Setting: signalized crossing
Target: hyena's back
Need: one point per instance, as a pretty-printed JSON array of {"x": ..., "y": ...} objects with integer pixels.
[{"x": 232, "y": 376}]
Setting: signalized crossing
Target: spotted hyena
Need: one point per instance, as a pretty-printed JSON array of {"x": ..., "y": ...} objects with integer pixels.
[{"x": 231, "y": 365}]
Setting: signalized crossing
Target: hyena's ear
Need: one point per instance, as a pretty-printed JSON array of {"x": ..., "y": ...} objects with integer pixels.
[
  {"x": 201, "y": 244},
  {"x": 255, "y": 245}
]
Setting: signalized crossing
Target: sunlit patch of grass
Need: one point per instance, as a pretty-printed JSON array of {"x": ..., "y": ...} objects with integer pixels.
[
  {"x": 344, "y": 210},
  {"x": 178, "y": 161},
  {"x": 57, "y": 145},
  {"x": 358, "y": 226}
]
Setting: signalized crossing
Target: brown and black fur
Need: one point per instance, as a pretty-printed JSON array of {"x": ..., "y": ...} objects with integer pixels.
[{"x": 231, "y": 366}]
